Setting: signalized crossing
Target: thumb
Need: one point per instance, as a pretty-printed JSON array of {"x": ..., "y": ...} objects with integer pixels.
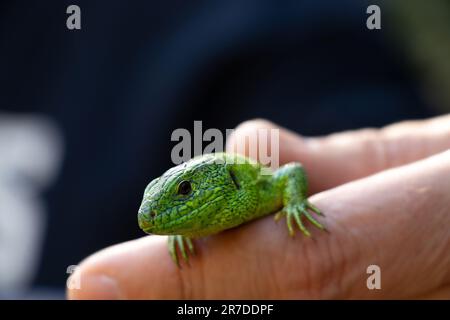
[
  {"x": 397, "y": 219},
  {"x": 246, "y": 262},
  {"x": 223, "y": 267}
]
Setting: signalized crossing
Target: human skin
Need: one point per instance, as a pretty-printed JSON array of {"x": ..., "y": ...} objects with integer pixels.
[{"x": 386, "y": 197}]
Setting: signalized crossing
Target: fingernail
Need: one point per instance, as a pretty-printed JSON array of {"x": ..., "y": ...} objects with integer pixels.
[{"x": 96, "y": 287}]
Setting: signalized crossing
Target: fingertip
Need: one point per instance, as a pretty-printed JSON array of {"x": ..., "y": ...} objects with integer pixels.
[
  {"x": 94, "y": 287},
  {"x": 138, "y": 269},
  {"x": 286, "y": 146},
  {"x": 237, "y": 141}
]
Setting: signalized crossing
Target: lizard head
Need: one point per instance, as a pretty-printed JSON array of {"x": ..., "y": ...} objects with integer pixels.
[{"x": 187, "y": 198}]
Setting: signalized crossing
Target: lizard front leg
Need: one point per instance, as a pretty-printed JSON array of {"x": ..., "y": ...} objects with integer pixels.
[
  {"x": 180, "y": 241},
  {"x": 291, "y": 178}
]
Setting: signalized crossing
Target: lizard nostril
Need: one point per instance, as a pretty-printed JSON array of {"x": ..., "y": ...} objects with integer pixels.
[{"x": 152, "y": 214}]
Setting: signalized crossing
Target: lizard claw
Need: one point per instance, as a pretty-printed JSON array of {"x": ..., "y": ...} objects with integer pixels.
[
  {"x": 310, "y": 206},
  {"x": 296, "y": 212},
  {"x": 278, "y": 216},
  {"x": 180, "y": 241}
]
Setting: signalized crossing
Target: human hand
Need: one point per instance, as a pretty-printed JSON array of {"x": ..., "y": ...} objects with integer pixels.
[{"x": 398, "y": 218}]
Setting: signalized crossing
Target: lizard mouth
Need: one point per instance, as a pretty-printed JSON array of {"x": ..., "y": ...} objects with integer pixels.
[
  {"x": 144, "y": 223},
  {"x": 167, "y": 227},
  {"x": 146, "y": 217}
]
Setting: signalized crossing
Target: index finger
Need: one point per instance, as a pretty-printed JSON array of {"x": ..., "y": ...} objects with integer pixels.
[{"x": 342, "y": 157}]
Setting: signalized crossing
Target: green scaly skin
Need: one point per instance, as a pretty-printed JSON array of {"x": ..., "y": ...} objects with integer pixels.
[{"x": 215, "y": 192}]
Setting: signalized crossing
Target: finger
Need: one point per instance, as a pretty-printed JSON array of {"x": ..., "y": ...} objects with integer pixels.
[
  {"x": 397, "y": 219},
  {"x": 223, "y": 268},
  {"x": 346, "y": 156}
]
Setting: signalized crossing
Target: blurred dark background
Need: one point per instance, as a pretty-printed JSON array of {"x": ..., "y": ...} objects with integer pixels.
[{"x": 137, "y": 70}]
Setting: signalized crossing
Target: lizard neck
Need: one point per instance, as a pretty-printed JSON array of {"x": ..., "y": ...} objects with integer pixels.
[{"x": 270, "y": 198}]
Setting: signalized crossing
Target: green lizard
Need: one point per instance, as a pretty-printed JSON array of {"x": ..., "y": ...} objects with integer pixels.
[{"x": 214, "y": 192}]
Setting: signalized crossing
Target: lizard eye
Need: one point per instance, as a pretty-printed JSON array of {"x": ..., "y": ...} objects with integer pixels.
[{"x": 184, "y": 188}]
